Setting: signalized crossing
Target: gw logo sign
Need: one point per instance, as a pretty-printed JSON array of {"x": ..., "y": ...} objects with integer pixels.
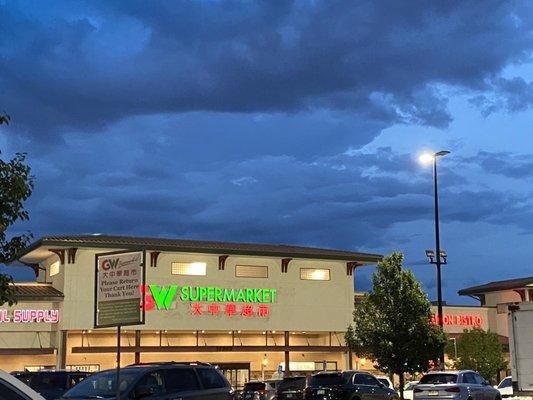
[{"x": 110, "y": 264}]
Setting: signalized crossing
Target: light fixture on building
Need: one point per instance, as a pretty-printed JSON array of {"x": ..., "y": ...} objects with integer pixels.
[
  {"x": 264, "y": 333},
  {"x": 203, "y": 331},
  {"x": 239, "y": 331},
  {"x": 165, "y": 331},
  {"x": 273, "y": 331},
  {"x": 89, "y": 331},
  {"x": 230, "y": 332},
  {"x": 157, "y": 332}
]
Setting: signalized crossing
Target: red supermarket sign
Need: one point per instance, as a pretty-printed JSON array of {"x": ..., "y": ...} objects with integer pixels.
[{"x": 460, "y": 320}]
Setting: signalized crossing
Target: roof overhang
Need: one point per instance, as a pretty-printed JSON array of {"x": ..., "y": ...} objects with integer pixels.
[{"x": 41, "y": 250}]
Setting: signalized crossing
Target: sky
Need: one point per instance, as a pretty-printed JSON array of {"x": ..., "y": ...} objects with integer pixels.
[{"x": 296, "y": 122}]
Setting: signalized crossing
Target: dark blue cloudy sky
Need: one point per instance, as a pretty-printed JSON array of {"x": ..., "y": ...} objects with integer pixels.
[{"x": 279, "y": 121}]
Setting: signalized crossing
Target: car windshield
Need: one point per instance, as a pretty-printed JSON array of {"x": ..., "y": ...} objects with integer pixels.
[
  {"x": 103, "y": 385},
  {"x": 296, "y": 383},
  {"x": 254, "y": 386},
  {"x": 327, "y": 380},
  {"x": 437, "y": 379}
]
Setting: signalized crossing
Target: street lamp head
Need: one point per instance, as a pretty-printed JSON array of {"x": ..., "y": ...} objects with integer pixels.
[
  {"x": 426, "y": 158},
  {"x": 443, "y": 254},
  {"x": 430, "y": 253},
  {"x": 442, "y": 153}
]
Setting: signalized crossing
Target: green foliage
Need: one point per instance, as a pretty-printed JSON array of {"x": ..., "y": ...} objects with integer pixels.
[
  {"x": 16, "y": 186},
  {"x": 393, "y": 322},
  {"x": 480, "y": 351}
]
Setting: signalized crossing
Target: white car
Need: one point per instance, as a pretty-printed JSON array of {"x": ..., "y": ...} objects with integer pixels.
[
  {"x": 13, "y": 389},
  {"x": 408, "y": 390},
  {"x": 385, "y": 380},
  {"x": 506, "y": 387}
]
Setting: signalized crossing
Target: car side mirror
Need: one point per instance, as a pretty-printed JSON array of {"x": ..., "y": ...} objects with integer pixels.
[{"x": 141, "y": 392}]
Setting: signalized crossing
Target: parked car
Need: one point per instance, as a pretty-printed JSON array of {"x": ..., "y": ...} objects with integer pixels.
[
  {"x": 257, "y": 390},
  {"x": 291, "y": 388},
  {"x": 506, "y": 387},
  {"x": 408, "y": 390},
  {"x": 156, "y": 382},
  {"x": 346, "y": 386},
  {"x": 13, "y": 389},
  {"x": 51, "y": 384},
  {"x": 461, "y": 385}
]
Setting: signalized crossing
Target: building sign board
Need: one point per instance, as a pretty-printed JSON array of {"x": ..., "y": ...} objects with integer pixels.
[
  {"x": 118, "y": 295},
  {"x": 29, "y": 316},
  {"x": 211, "y": 300},
  {"x": 460, "y": 320}
]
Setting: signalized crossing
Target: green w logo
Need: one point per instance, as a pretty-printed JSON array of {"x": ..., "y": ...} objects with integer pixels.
[{"x": 163, "y": 296}]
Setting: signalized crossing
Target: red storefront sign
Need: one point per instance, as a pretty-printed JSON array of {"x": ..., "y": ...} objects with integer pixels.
[{"x": 460, "y": 320}]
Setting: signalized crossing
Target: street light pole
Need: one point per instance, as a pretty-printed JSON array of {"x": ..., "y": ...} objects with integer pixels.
[{"x": 439, "y": 256}]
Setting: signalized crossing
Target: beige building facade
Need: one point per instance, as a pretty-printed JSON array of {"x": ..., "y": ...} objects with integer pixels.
[{"x": 251, "y": 309}]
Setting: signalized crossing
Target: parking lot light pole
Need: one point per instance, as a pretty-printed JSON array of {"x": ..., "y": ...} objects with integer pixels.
[{"x": 439, "y": 256}]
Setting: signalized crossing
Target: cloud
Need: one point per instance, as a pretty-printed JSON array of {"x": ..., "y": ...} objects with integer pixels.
[
  {"x": 510, "y": 165},
  {"x": 81, "y": 66}
]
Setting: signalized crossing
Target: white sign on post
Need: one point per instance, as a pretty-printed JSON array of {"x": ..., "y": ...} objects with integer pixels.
[{"x": 118, "y": 297}]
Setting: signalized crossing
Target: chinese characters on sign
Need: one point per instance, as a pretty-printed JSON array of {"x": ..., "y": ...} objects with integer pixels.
[{"x": 231, "y": 309}]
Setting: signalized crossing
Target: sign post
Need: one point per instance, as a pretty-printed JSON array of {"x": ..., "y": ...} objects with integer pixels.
[{"x": 118, "y": 298}]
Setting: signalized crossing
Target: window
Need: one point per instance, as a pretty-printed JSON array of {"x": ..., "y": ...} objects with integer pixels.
[
  {"x": 314, "y": 274},
  {"x": 507, "y": 382},
  {"x": 211, "y": 379},
  {"x": 7, "y": 392},
  {"x": 251, "y": 271},
  {"x": 436, "y": 379},
  {"x": 181, "y": 380},
  {"x": 193, "y": 268},
  {"x": 469, "y": 378},
  {"x": 151, "y": 383},
  {"x": 54, "y": 268}
]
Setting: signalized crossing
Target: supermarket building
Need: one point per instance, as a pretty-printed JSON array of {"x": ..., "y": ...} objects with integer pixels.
[{"x": 249, "y": 308}]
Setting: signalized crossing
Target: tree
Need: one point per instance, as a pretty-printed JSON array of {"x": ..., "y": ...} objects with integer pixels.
[
  {"x": 392, "y": 324},
  {"x": 480, "y": 351},
  {"x": 16, "y": 185}
]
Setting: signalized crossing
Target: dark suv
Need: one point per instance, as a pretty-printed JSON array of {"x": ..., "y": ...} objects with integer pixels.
[
  {"x": 156, "y": 382},
  {"x": 291, "y": 388},
  {"x": 349, "y": 385},
  {"x": 51, "y": 384}
]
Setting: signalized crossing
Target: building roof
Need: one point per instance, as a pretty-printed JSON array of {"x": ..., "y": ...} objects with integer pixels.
[
  {"x": 37, "y": 291},
  {"x": 196, "y": 246},
  {"x": 496, "y": 286}
]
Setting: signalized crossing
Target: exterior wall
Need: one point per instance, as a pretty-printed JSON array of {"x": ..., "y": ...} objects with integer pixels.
[{"x": 295, "y": 297}]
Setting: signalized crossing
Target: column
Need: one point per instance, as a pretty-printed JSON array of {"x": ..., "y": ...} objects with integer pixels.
[
  {"x": 61, "y": 359},
  {"x": 287, "y": 358},
  {"x": 137, "y": 345}
]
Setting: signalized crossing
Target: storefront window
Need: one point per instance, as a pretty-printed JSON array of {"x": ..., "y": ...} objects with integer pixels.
[
  {"x": 192, "y": 268},
  {"x": 251, "y": 271},
  {"x": 314, "y": 274}
]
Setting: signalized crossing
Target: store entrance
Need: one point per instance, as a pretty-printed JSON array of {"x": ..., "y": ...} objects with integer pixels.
[{"x": 236, "y": 373}]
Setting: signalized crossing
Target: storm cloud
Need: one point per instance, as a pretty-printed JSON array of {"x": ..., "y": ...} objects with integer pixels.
[{"x": 258, "y": 121}]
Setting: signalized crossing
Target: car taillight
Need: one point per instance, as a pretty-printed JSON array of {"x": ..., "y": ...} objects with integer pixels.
[
  {"x": 417, "y": 390},
  {"x": 454, "y": 389}
]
